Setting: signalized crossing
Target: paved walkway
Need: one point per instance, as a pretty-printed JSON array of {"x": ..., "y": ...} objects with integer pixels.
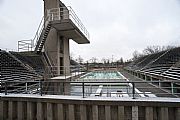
[{"x": 146, "y": 87}]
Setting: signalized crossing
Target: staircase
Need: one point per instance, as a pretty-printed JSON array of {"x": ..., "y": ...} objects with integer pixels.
[{"x": 42, "y": 38}]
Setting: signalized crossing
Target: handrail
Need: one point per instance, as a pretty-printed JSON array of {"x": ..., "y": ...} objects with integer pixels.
[
  {"x": 132, "y": 88},
  {"x": 67, "y": 13}
]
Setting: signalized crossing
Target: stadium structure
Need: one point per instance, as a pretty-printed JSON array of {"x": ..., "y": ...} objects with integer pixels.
[{"x": 40, "y": 82}]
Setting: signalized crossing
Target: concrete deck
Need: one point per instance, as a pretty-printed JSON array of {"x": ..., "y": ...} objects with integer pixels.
[{"x": 147, "y": 87}]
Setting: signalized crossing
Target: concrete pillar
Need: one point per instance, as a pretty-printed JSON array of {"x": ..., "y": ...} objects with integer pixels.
[
  {"x": 66, "y": 56},
  {"x": 120, "y": 112},
  {"x": 177, "y": 113},
  {"x": 3, "y": 110},
  {"x": 83, "y": 112},
  {"x": 164, "y": 113},
  {"x": 40, "y": 112},
  {"x": 95, "y": 112},
  {"x": 71, "y": 112},
  {"x": 60, "y": 111},
  {"x": 49, "y": 111},
  {"x": 10, "y": 110},
  {"x": 149, "y": 113},
  {"x": 107, "y": 112},
  {"x": 134, "y": 112},
  {"x": 20, "y": 110},
  {"x": 30, "y": 111}
]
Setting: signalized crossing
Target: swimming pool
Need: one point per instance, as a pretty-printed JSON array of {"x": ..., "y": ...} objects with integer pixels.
[
  {"x": 103, "y": 75},
  {"x": 101, "y": 89}
]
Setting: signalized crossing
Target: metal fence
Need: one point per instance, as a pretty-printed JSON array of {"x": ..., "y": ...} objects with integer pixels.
[{"x": 93, "y": 89}]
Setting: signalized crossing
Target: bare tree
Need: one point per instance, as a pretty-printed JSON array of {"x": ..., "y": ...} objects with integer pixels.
[
  {"x": 80, "y": 59},
  {"x": 136, "y": 55},
  {"x": 152, "y": 49},
  {"x": 93, "y": 60}
]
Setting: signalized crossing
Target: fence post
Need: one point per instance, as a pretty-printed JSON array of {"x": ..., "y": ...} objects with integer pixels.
[
  {"x": 133, "y": 90},
  {"x": 83, "y": 89},
  {"x": 40, "y": 85},
  {"x": 26, "y": 87},
  {"x": 5, "y": 88}
]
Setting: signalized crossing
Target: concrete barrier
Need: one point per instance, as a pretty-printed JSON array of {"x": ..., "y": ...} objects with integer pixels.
[{"x": 56, "y": 107}]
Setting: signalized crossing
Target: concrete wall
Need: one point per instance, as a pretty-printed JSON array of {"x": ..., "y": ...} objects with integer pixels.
[
  {"x": 22, "y": 107},
  {"x": 52, "y": 44}
]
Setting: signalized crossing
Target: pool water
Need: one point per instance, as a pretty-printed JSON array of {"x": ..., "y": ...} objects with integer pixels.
[
  {"x": 103, "y": 75},
  {"x": 100, "y": 76}
]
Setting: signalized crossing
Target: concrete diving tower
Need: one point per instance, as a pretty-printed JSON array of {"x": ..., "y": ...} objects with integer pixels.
[
  {"x": 59, "y": 24},
  {"x": 66, "y": 22}
]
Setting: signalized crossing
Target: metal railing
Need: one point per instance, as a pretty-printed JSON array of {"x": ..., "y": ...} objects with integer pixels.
[
  {"x": 66, "y": 71},
  {"x": 25, "y": 45},
  {"x": 52, "y": 15},
  {"x": 90, "y": 89},
  {"x": 63, "y": 13}
]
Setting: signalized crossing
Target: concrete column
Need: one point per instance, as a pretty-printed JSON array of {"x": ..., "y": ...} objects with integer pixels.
[
  {"x": 66, "y": 56},
  {"x": 3, "y": 110},
  {"x": 60, "y": 111},
  {"x": 71, "y": 112},
  {"x": 95, "y": 112},
  {"x": 20, "y": 110},
  {"x": 177, "y": 115},
  {"x": 10, "y": 110},
  {"x": 83, "y": 112},
  {"x": 134, "y": 112},
  {"x": 164, "y": 113},
  {"x": 58, "y": 55},
  {"x": 30, "y": 111},
  {"x": 149, "y": 113},
  {"x": 40, "y": 112},
  {"x": 120, "y": 112},
  {"x": 107, "y": 112},
  {"x": 49, "y": 111}
]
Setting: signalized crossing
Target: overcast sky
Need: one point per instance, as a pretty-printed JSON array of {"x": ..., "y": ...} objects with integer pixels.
[{"x": 116, "y": 27}]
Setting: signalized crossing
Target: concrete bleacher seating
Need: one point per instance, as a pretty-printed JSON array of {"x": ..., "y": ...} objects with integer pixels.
[
  {"x": 165, "y": 64},
  {"x": 11, "y": 69},
  {"x": 31, "y": 59}
]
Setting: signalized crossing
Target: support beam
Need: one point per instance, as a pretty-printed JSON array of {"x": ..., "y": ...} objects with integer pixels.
[
  {"x": 60, "y": 111},
  {"x": 71, "y": 112},
  {"x": 134, "y": 112},
  {"x": 10, "y": 110},
  {"x": 49, "y": 111},
  {"x": 164, "y": 113},
  {"x": 30, "y": 110},
  {"x": 120, "y": 112},
  {"x": 95, "y": 112},
  {"x": 177, "y": 115},
  {"x": 149, "y": 113},
  {"x": 40, "y": 111},
  {"x": 20, "y": 110},
  {"x": 83, "y": 112},
  {"x": 107, "y": 112}
]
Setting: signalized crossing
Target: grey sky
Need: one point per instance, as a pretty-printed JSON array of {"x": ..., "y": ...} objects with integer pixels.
[{"x": 117, "y": 27}]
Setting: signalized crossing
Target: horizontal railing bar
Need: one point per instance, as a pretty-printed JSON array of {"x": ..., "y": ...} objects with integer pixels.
[{"x": 56, "y": 81}]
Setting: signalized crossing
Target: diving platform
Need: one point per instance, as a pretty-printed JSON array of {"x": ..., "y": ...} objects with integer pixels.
[{"x": 66, "y": 22}]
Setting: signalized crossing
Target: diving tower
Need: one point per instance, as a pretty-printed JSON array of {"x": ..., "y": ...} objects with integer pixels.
[{"x": 59, "y": 25}]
